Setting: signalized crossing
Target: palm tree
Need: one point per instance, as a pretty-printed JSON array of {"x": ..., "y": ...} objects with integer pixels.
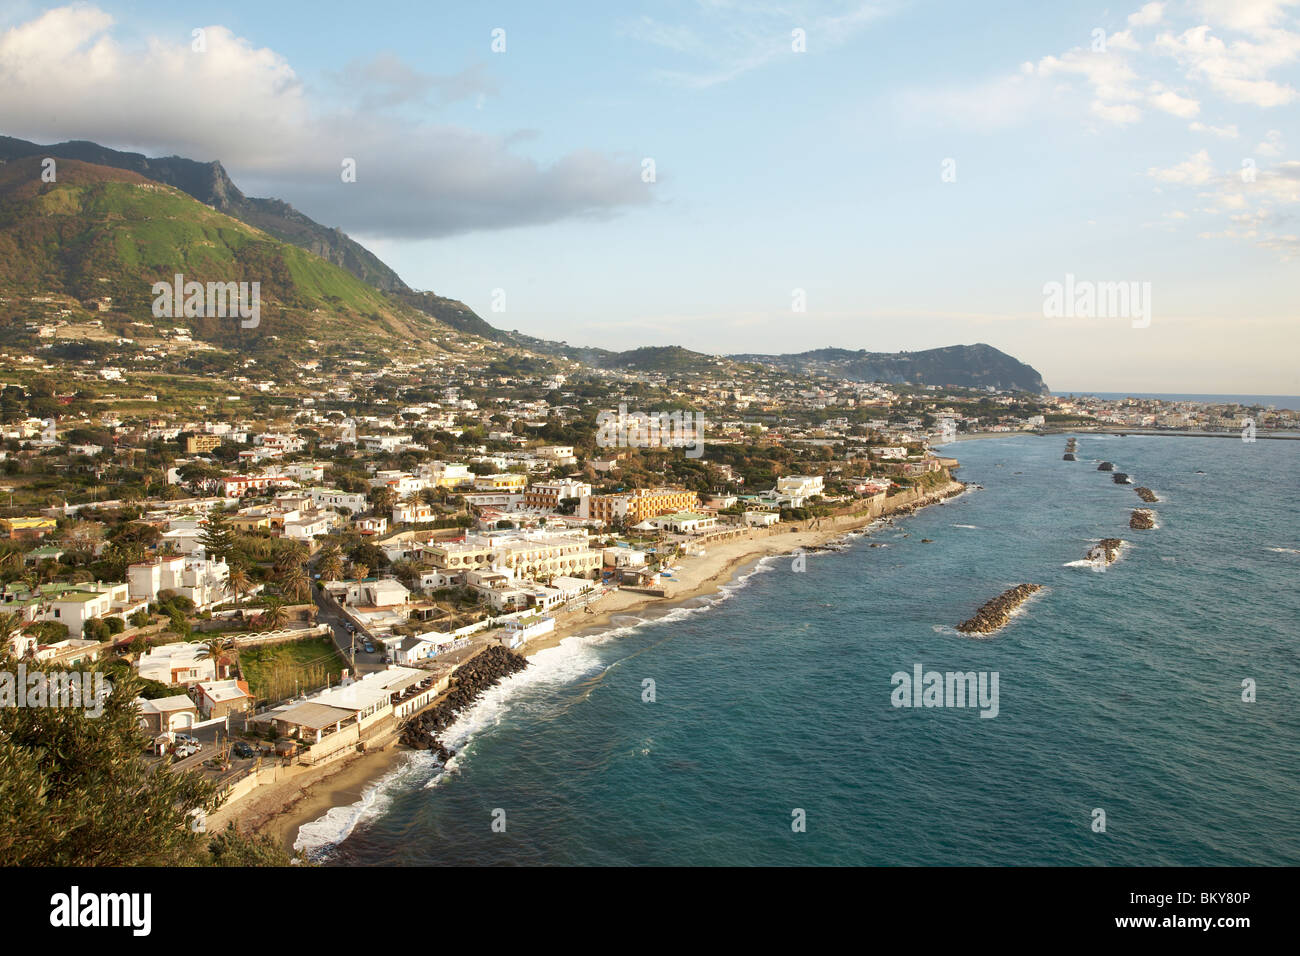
[
  {"x": 276, "y": 615},
  {"x": 331, "y": 564},
  {"x": 11, "y": 625},
  {"x": 239, "y": 582},
  {"x": 295, "y": 582},
  {"x": 213, "y": 648},
  {"x": 382, "y": 499}
]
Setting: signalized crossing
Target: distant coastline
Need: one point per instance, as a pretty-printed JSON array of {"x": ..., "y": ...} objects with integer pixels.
[{"x": 1279, "y": 401}]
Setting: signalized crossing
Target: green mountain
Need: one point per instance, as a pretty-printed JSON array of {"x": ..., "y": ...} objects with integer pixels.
[
  {"x": 974, "y": 366},
  {"x": 210, "y": 184},
  {"x": 101, "y": 237},
  {"x": 207, "y": 239}
]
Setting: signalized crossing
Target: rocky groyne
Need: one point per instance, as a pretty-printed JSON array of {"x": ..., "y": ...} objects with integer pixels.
[
  {"x": 471, "y": 679},
  {"x": 1142, "y": 519},
  {"x": 995, "y": 613},
  {"x": 1106, "y": 466},
  {"x": 1107, "y": 550},
  {"x": 1146, "y": 494}
]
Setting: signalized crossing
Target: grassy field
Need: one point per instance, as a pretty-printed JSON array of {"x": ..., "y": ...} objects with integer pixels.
[{"x": 276, "y": 671}]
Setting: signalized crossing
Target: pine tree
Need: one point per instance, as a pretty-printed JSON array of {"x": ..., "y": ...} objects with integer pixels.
[{"x": 218, "y": 539}]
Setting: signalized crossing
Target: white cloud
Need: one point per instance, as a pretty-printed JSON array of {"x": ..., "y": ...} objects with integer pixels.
[
  {"x": 1171, "y": 102},
  {"x": 1271, "y": 144},
  {"x": 1194, "y": 171},
  {"x": 65, "y": 76},
  {"x": 1223, "y": 132},
  {"x": 1238, "y": 70},
  {"x": 1149, "y": 15},
  {"x": 732, "y": 39},
  {"x": 1111, "y": 78},
  {"x": 1247, "y": 16}
]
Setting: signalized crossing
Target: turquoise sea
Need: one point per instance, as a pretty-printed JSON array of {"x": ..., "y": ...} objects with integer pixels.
[{"x": 1119, "y": 690}]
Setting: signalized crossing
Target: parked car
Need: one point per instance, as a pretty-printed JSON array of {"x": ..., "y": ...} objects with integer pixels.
[
  {"x": 185, "y": 750},
  {"x": 243, "y": 749},
  {"x": 186, "y": 739},
  {"x": 385, "y": 659},
  {"x": 368, "y": 647}
]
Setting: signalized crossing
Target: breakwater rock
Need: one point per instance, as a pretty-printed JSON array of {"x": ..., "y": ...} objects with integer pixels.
[
  {"x": 1121, "y": 479},
  {"x": 468, "y": 683},
  {"x": 1106, "y": 466},
  {"x": 995, "y": 613},
  {"x": 1068, "y": 456},
  {"x": 1146, "y": 494},
  {"x": 1107, "y": 550},
  {"x": 1142, "y": 519}
]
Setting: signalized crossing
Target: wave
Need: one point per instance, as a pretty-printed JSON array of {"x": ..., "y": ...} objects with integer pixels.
[
  {"x": 1284, "y": 550},
  {"x": 317, "y": 837},
  {"x": 972, "y": 527},
  {"x": 565, "y": 664},
  {"x": 1085, "y": 563}
]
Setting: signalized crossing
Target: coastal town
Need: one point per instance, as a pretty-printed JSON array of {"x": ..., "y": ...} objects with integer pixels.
[{"x": 296, "y": 565}]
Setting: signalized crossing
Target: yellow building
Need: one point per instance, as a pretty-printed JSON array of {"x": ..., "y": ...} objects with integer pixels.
[
  {"x": 502, "y": 482},
  {"x": 26, "y": 528},
  {"x": 636, "y": 506},
  {"x": 198, "y": 444}
]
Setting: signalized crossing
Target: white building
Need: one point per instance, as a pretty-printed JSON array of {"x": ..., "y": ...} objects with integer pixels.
[
  {"x": 202, "y": 580},
  {"x": 683, "y": 522},
  {"x": 800, "y": 486},
  {"x": 180, "y": 663},
  {"x": 341, "y": 500},
  {"x": 75, "y": 606},
  {"x": 520, "y": 629}
]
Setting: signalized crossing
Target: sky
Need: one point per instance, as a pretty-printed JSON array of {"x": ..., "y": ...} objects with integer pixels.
[{"x": 768, "y": 176}]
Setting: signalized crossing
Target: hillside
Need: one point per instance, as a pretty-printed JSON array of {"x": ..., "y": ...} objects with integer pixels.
[
  {"x": 100, "y": 238},
  {"x": 130, "y": 221},
  {"x": 975, "y": 366},
  {"x": 210, "y": 184}
]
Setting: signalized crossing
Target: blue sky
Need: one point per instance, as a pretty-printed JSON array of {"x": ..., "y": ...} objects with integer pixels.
[{"x": 1102, "y": 142}]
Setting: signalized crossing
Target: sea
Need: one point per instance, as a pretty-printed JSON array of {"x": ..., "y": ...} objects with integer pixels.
[{"x": 1146, "y": 711}]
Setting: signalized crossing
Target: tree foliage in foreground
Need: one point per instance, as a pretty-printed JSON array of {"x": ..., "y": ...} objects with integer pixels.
[{"x": 79, "y": 791}]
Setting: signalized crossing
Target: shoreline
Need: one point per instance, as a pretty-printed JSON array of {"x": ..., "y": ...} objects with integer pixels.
[{"x": 281, "y": 809}]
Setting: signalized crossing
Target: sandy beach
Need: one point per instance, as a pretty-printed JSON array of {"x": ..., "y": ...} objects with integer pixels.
[{"x": 281, "y": 808}]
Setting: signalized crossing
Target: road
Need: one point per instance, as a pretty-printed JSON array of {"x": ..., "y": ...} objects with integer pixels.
[{"x": 325, "y": 614}]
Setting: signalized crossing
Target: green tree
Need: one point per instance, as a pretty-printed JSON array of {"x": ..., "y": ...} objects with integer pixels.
[
  {"x": 295, "y": 582},
  {"x": 218, "y": 539},
  {"x": 276, "y": 615},
  {"x": 77, "y": 790}
]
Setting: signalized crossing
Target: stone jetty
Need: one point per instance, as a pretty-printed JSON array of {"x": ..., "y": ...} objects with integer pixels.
[
  {"x": 471, "y": 679},
  {"x": 1146, "y": 494},
  {"x": 1142, "y": 519},
  {"x": 1106, "y": 466},
  {"x": 1107, "y": 549},
  {"x": 995, "y": 613}
]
